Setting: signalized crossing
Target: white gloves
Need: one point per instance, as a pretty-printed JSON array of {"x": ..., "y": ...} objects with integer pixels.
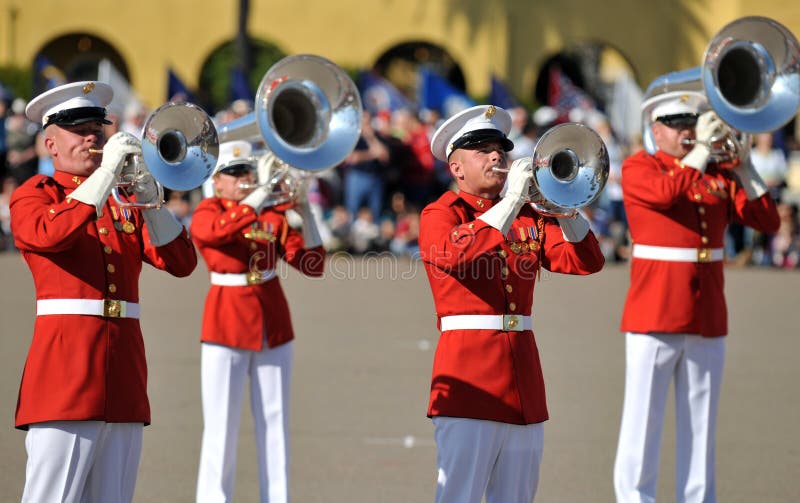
[
  {"x": 311, "y": 237},
  {"x": 162, "y": 225},
  {"x": 257, "y": 198},
  {"x": 96, "y": 188},
  {"x": 709, "y": 126},
  {"x": 264, "y": 169},
  {"x": 574, "y": 228},
  {"x": 502, "y": 214},
  {"x": 147, "y": 190},
  {"x": 750, "y": 180}
]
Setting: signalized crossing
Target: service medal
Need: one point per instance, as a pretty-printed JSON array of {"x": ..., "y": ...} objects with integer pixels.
[{"x": 128, "y": 227}]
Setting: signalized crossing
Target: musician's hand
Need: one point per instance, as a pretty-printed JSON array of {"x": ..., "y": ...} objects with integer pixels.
[
  {"x": 257, "y": 198},
  {"x": 709, "y": 126},
  {"x": 266, "y": 163},
  {"x": 116, "y": 149},
  {"x": 519, "y": 179},
  {"x": 146, "y": 189}
]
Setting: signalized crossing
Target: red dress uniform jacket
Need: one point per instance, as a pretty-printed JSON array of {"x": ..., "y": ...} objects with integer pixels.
[
  {"x": 474, "y": 269},
  {"x": 86, "y": 367},
  {"x": 233, "y": 239},
  {"x": 669, "y": 204}
]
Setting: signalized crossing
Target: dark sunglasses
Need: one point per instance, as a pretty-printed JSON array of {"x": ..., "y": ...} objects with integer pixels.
[{"x": 681, "y": 121}]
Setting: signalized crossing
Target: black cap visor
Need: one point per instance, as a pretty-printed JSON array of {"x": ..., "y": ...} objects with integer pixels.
[
  {"x": 237, "y": 168},
  {"x": 678, "y": 120},
  {"x": 75, "y": 116},
  {"x": 471, "y": 140}
]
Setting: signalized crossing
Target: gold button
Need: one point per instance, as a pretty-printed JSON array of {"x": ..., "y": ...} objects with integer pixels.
[
  {"x": 228, "y": 204},
  {"x": 698, "y": 197},
  {"x": 503, "y": 253},
  {"x": 512, "y": 306},
  {"x": 701, "y": 210},
  {"x": 68, "y": 199},
  {"x": 107, "y": 249},
  {"x": 245, "y": 209},
  {"x": 509, "y": 288},
  {"x": 471, "y": 226},
  {"x": 233, "y": 215},
  {"x": 704, "y": 240},
  {"x": 112, "y": 288},
  {"x": 455, "y": 233},
  {"x": 504, "y": 270},
  {"x": 253, "y": 246},
  {"x": 103, "y": 231},
  {"x": 703, "y": 225},
  {"x": 52, "y": 211},
  {"x": 110, "y": 268},
  {"x": 222, "y": 222}
]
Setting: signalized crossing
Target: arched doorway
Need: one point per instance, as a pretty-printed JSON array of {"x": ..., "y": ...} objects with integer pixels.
[
  {"x": 218, "y": 72},
  {"x": 399, "y": 65},
  {"x": 76, "y": 57}
]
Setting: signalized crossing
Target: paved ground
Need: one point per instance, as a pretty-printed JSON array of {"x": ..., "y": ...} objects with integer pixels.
[{"x": 365, "y": 343}]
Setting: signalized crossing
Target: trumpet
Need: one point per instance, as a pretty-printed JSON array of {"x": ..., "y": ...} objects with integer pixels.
[{"x": 570, "y": 168}]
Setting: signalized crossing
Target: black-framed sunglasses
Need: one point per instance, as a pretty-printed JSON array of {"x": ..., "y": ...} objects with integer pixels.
[{"x": 680, "y": 121}]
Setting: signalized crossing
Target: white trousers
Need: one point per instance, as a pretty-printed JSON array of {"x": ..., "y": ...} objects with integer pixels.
[
  {"x": 82, "y": 461},
  {"x": 224, "y": 374},
  {"x": 476, "y": 457},
  {"x": 695, "y": 364}
]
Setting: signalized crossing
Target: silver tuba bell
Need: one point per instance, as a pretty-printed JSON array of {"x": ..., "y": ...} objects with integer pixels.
[
  {"x": 749, "y": 75},
  {"x": 570, "y": 169},
  {"x": 179, "y": 150},
  {"x": 307, "y": 111}
]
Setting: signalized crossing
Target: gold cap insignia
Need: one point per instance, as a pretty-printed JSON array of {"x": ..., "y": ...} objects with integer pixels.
[
  {"x": 88, "y": 88},
  {"x": 237, "y": 152},
  {"x": 490, "y": 112},
  {"x": 684, "y": 98}
]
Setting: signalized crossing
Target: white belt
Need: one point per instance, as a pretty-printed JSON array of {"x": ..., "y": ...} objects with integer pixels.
[
  {"x": 504, "y": 322},
  {"x": 91, "y": 307},
  {"x": 243, "y": 279},
  {"x": 703, "y": 255}
]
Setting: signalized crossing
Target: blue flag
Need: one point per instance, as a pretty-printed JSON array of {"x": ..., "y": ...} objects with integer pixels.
[
  {"x": 48, "y": 74},
  {"x": 177, "y": 90},
  {"x": 436, "y": 93},
  {"x": 240, "y": 88},
  {"x": 378, "y": 94},
  {"x": 501, "y": 95}
]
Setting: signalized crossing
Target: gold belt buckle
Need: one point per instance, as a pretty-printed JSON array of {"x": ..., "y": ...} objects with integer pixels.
[
  {"x": 512, "y": 323},
  {"x": 253, "y": 278},
  {"x": 703, "y": 255},
  {"x": 112, "y": 308}
]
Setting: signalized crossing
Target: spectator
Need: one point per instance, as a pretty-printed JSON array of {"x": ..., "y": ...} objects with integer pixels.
[
  {"x": 363, "y": 232},
  {"x": 21, "y": 161},
  {"x": 6, "y": 240},
  {"x": 364, "y": 179}
]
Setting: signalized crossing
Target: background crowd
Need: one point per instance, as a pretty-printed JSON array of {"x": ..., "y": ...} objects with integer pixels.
[{"x": 370, "y": 203}]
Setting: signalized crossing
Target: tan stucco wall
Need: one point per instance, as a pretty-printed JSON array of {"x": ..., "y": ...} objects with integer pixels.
[{"x": 511, "y": 38}]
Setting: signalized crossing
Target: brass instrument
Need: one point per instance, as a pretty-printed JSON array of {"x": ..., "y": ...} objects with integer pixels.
[
  {"x": 750, "y": 77},
  {"x": 570, "y": 169},
  {"x": 179, "y": 150},
  {"x": 308, "y": 113}
]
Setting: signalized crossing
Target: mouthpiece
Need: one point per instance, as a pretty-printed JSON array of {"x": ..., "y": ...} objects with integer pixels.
[
  {"x": 95, "y": 150},
  {"x": 498, "y": 169}
]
